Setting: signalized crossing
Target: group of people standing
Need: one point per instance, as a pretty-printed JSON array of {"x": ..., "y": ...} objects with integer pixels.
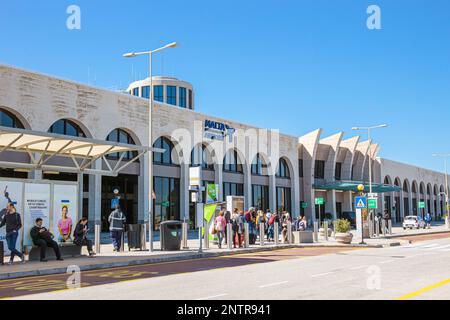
[{"x": 255, "y": 220}]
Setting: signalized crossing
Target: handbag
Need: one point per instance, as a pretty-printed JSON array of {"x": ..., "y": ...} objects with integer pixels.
[{"x": 212, "y": 229}]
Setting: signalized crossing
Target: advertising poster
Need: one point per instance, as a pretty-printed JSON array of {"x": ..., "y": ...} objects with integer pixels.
[
  {"x": 11, "y": 191},
  {"x": 212, "y": 192},
  {"x": 65, "y": 203},
  {"x": 36, "y": 205}
]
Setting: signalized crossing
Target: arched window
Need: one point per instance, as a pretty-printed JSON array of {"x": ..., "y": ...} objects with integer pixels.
[
  {"x": 387, "y": 181},
  {"x": 67, "y": 127},
  {"x": 283, "y": 169},
  {"x": 7, "y": 119},
  {"x": 231, "y": 162},
  {"x": 164, "y": 158},
  {"x": 259, "y": 167},
  {"x": 405, "y": 186},
  {"x": 199, "y": 158},
  {"x": 414, "y": 187},
  {"x": 421, "y": 189},
  {"x": 121, "y": 136}
]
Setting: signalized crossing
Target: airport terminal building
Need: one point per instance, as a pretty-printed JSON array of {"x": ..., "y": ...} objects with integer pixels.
[{"x": 270, "y": 169}]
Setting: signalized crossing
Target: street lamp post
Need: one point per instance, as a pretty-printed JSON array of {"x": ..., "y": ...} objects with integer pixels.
[
  {"x": 150, "y": 139},
  {"x": 369, "y": 136},
  {"x": 445, "y": 156}
]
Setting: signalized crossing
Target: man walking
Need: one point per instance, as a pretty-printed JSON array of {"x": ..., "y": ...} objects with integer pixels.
[
  {"x": 116, "y": 225},
  {"x": 43, "y": 238}
]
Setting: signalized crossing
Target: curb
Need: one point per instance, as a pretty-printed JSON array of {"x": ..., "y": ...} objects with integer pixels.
[
  {"x": 174, "y": 258},
  {"x": 416, "y": 234}
]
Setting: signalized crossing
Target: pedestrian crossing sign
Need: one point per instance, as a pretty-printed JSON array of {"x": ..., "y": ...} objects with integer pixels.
[{"x": 361, "y": 202}]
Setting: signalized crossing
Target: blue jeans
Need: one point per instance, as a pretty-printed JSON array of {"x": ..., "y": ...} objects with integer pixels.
[
  {"x": 270, "y": 232},
  {"x": 116, "y": 236},
  {"x": 11, "y": 240}
]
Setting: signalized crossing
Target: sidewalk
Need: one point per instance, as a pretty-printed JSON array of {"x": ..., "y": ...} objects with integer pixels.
[{"x": 109, "y": 259}]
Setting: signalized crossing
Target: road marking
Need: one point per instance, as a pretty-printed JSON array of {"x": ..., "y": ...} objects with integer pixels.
[
  {"x": 441, "y": 247},
  {"x": 357, "y": 268},
  {"x": 421, "y": 291},
  {"x": 322, "y": 274},
  {"x": 429, "y": 246},
  {"x": 212, "y": 297},
  {"x": 273, "y": 284},
  {"x": 387, "y": 261}
]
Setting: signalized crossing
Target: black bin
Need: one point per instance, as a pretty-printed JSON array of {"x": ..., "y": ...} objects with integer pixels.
[
  {"x": 134, "y": 235},
  {"x": 170, "y": 235}
]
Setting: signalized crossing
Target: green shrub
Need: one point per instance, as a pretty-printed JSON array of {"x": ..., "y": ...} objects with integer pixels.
[{"x": 342, "y": 226}]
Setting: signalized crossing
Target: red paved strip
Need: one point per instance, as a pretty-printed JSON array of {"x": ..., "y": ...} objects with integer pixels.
[{"x": 41, "y": 284}]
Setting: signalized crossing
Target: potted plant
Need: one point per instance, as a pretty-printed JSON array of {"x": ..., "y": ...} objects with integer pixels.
[{"x": 342, "y": 228}]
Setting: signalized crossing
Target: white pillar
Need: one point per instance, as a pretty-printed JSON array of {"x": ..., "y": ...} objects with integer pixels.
[
  {"x": 348, "y": 200},
  {"x": 272, "y": 193},
  {"x": 80, "y": 196},
  {"x": 218, "y": 179},
  {"x": 184, "y": 192},
  {"x": 247, "y": 185},
  {"x": 330, "y": 204}
]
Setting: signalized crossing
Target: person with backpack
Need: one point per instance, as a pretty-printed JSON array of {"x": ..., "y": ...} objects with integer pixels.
[
  {"x": 427, "y": 221},
  {"x": 260, "y": 218},
  {"x": 271, "y": 223},
  {"x": 13, "y": 224},
  {"x": 220, "y": 224},
  {"x": 240, "y": 220},
  {"x": 116, "y": 226},
  {"x": 234, "y": 226}
]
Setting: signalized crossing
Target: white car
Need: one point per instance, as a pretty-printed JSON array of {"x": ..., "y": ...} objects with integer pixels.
[{"x": 413, "y": 222}]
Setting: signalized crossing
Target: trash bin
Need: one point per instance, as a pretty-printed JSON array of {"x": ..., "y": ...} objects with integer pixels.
[
  {"x": 134, "y": 235},
  {"x": 170, "y": 235}
]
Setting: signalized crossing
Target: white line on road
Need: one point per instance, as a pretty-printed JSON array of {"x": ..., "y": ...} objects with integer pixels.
[
  {"x": 441, "y": 247},
  {"x": 273, "y": 284},
  {"x": 387, "y": 261},
  {"x": 357, "y": 268},
  {"x": 212, "y": 297},
  {"x": 429, "y": 246},
  {"x": 322, "y": 274}
]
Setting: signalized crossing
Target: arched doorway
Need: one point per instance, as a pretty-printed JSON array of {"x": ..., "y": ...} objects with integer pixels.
[
  {"x": 260, "y": 182},
  {"x": 283, "y": 187},
  {"x": 10, "y": 120},
  {"x": 126, "y": 182},
  {"x": 166, "y": 183}
]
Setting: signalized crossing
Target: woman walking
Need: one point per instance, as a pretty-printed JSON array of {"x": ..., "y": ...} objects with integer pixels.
[
  {"x": 220, "y": 224},
  {"x": 13, "y": 224}
]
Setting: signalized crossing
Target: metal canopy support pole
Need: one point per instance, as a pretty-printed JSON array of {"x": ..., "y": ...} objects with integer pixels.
[
  {"x": 246, "y": 236},
  {"x": 325, "y": 228},
  {"x": 150, "y": 158}
]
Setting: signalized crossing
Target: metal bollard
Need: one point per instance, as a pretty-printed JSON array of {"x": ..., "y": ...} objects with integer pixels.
[
  {"x": 184, "y": 235},
  {"x": 97, "y": 238},
  {"x": 262, "y": 228},
  {"x": 377, "y": 228},
  {"x": 143, "y": 237},
  {"x": 206, "y": 235},
  {"x": 390, "y": 226},
  {"x": 325, "y": 228},
  {"x": 383, "y": 227},
  {"x": 230, "y": 236},
  {"x": 122, "y": 242},
  {"x": 246, "y": 236},
  {"x": 276, "y": 238},
  {"x": 316, "y": 231}
]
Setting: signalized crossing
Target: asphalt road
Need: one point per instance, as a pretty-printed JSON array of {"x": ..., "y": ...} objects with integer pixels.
[{"x": 417, "y": 271}]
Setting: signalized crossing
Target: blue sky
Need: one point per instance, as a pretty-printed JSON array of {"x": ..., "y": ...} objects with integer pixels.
[{"x": 290, "y": 65}]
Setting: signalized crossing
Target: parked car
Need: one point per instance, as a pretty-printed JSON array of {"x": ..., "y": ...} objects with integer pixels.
[
  {"x": 413, "y": 222},
  {"x": 350, "y": 216}
]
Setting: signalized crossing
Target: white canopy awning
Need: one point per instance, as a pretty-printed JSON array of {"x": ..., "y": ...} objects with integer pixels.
[{"x": 43, "y": 146}]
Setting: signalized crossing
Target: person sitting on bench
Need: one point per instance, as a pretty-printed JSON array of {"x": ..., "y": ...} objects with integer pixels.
[{"x": 43, "y": 239}]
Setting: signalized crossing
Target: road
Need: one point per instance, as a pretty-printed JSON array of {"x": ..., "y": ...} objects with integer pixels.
[{"x": 416, "y": 271}]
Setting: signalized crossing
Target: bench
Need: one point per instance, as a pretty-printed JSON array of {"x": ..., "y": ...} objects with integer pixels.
[
  {"x": 300, "y": 237},
  {"x": 68, "y": 250}
]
